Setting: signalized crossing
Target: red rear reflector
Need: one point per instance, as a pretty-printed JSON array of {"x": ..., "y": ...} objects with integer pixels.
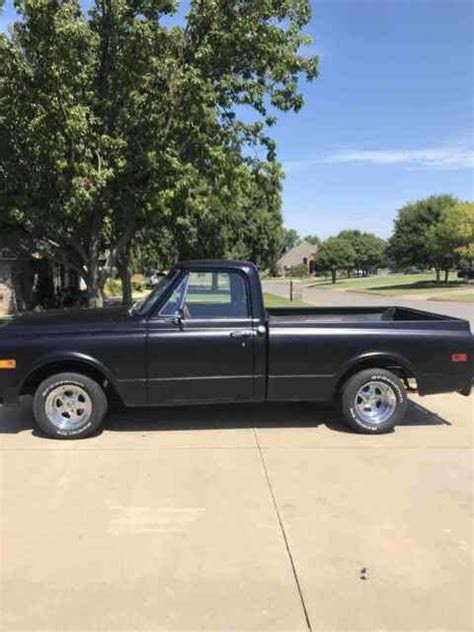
[{"x": 459, "y": 357}]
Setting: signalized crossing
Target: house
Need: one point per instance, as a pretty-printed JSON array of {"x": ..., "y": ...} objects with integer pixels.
[
  {"x": 12, "y": 273},
  {"x": 7, "y": 296},
  {"x": 29, "y": 279},
  {"x": 302, "y": 254}
]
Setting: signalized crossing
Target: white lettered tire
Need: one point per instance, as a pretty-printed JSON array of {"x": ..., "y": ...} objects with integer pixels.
[
  {"x": 69, "y": 406},
  {"x": 374, "y": 401}
]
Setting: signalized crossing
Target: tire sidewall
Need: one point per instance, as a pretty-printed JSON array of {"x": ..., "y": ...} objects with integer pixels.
[
  {"x": 93, "y": 389},
  {"x": 349, "y": 395}
]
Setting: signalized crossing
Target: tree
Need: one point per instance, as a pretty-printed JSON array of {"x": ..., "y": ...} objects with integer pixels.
[
  {"x": 116, "y": 121},
  {"x": 465, "y": 231},
  {"x": 452, "y": 236},
  {"x": 289, "y": 239},
  {"x": 369, "y": 249},
  {"x": 312, "y": 239},
  {"x": 414, "y": 241},
  {"x": 336, "y": 253}
]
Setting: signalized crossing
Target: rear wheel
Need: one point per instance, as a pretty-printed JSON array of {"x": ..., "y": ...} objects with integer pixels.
[
  {"x": 374, "y": 401},
  {"x": 69, "y": 406}
]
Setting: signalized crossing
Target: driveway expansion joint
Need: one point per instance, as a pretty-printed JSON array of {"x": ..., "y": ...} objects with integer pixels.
[{"x": 283, "y": 532}]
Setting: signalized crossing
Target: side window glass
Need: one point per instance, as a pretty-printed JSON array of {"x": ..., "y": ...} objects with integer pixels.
[
  {"x": 174, "y": 304},
  {"x": 209, "y": 294},
  {"x": 213, "y": 294}
]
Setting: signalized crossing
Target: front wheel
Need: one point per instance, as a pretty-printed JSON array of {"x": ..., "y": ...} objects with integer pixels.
[
  {"x": 69, "y": 406},
  {"x": 374, "y": 401}
]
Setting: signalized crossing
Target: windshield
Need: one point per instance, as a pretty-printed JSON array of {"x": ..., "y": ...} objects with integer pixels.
[{"x": 141, "y": 307}]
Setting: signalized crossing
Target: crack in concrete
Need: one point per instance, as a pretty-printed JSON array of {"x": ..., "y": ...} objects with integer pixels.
[{"x": 283, "y": 532}]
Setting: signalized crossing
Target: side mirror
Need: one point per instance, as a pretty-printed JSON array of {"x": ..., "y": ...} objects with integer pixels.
[{"x": 178, "y": 320}]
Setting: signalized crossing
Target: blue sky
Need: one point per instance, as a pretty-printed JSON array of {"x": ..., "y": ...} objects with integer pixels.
[{"x": 389, "y": 120}]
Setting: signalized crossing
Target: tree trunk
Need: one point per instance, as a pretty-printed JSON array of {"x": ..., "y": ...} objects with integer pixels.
[
  {"x": 446, "y": 275},
  {"x": 94, "y": 289},
  {"x": 126, "y": 278},
  {"x": 437, "y": 275},
  {"x": 333, "y": 275}
]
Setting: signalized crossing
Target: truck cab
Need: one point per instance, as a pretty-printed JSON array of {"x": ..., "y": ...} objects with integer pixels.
[{"x": 206, "y": 335}]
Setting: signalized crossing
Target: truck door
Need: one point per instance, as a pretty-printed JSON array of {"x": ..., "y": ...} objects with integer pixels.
[{"x": 201, "y": 345}]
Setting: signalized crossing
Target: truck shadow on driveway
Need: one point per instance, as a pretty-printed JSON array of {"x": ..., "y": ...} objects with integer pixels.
[{"x": 217, "y": 417}]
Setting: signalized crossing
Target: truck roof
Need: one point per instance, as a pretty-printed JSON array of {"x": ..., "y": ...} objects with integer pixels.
[{"x": 215, "y": 263}]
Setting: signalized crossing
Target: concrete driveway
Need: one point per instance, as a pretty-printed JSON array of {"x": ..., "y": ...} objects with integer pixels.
[{"x": 239, "y": 518}]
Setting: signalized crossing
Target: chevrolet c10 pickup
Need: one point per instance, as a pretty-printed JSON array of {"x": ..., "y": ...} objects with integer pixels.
[{"x": 203, "y": 336}]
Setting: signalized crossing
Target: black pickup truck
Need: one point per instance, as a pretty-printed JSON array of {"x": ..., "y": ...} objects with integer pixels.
[{"x": 203, "y": 335}]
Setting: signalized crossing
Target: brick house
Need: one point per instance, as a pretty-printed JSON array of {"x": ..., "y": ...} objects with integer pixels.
[
  {"x": 6, "y": 283},
  {"x": 29, "y": 279},
  {"x": 302, "y": 254},
  {"x": 14, "y": 271}
]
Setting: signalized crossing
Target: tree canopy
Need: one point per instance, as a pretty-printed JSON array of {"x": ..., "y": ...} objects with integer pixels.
[
  {"x": 369, "y": 249},
  {"x": 434, "y": 232},
  {"x": 334, "y": 254},
  {"x": 118, "y": 122}
]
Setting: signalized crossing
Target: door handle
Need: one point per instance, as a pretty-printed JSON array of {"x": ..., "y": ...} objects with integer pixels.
[{"x": 243, "y": 333}]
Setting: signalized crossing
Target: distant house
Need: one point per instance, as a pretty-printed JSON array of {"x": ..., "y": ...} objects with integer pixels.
[
  {"x": 302, "y": 254},
  {"x": 29, "y": 279},
  {"x": 7, "y": 294}
]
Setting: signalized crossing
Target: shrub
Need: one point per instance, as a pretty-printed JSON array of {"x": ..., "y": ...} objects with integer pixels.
[
  {"x": 299, "y": 271},
  {"x": 113, "y": 287}
]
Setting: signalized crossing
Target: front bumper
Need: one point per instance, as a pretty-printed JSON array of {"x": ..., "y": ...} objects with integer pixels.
[{"x": 9, "y": 397}]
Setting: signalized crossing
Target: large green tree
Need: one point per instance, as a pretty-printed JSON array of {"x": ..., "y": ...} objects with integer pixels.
[
  {"x": 336, "y": 253},
  {"x": 465, "y": 232},
  {"x": 369, "y": 249},
  {"x": 115, "y": 121},
  {"x": 452, "y": 236},
  {"x": 429, "y": 233}
]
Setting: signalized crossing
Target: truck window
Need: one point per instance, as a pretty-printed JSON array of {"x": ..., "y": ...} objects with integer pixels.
[{"x": 209, "y": 294}]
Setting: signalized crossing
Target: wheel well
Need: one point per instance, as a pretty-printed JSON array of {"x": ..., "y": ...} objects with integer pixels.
[
  {"x": 69, "y": 366},
  {"x": 391, "y": 364}
]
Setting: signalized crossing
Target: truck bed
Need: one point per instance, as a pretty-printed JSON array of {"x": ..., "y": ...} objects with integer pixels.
[{"x": 386, "y": 317}]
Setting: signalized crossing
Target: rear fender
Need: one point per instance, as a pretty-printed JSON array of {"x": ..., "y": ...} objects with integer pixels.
[{"x": 375, "y": 360}]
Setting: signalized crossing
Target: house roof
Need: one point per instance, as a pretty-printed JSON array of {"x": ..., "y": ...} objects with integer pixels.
[{"x": 295, "y": 255}]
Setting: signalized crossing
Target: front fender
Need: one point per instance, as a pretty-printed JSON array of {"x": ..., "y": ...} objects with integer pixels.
[{"x": 50, "y": 359}]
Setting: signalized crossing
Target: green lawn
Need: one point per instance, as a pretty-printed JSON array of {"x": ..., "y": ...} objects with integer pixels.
[
  {"x": 373, "y": 282},
  {"x": 405, "y": 284},
  {"x": 272, "y": 300},
  {"x": 428, "y": 289}
]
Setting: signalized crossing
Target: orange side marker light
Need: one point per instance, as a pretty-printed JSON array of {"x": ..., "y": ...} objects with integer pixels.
[
  {"x": 7, "y": 364},
  {"x": 459, "y": 357}
]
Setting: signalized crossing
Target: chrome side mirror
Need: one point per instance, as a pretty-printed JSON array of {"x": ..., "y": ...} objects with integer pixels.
[{"x": 178, "y": 319}]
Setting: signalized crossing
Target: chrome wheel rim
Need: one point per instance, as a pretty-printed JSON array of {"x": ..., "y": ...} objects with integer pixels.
[
  {"x": 68, "y": 407},
  {"x": 375, "y": 402}
]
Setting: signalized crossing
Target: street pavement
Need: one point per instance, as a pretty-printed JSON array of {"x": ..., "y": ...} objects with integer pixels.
[
  {"x": 340, "y": 298},
  {"x": 243, "y": 518}
]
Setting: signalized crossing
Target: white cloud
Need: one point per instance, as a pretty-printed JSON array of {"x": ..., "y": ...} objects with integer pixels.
[
  {"x": 455, "y": 157},
  {"x": 445, "y": 157}
]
